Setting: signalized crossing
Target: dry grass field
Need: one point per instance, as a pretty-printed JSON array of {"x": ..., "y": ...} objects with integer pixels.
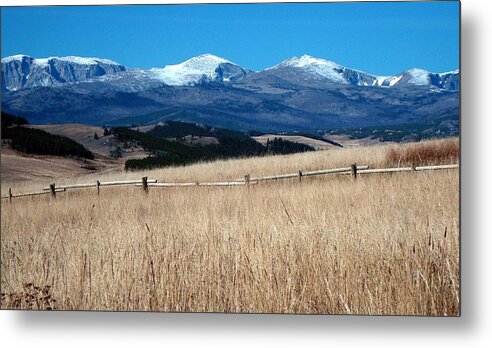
[
  {"x": 383, "y": 244},
  {"x": 18, "y": 166}
]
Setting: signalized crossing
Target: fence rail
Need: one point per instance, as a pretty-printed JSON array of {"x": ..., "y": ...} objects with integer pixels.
[
  {"x": 354, "y": 170},
  {"x": 33, "y": 193},
  {"x": 406, "y": 169},
  {"x": 103, "y": 183},
  {"x": 195, "y": 184}
]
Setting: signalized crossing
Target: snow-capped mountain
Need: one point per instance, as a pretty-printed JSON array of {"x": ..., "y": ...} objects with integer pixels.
[
  {"x": 200, "y": 69},
  {"x": 299, "y": 93},
  {"x": 20, "y": 71},
  {"x": 23, "y": 71},
  {"x": 419, "y": 77},
  {"x": 322, "y": 69},
  {"x": 308, "y": 68},
  {"x": 450, "y": 80}
]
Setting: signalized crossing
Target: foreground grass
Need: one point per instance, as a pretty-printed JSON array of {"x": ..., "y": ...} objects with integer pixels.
[{"x": 384, "y": 244}]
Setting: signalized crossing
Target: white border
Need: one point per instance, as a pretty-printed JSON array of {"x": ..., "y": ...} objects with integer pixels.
[{"x": 473, "y": 329}]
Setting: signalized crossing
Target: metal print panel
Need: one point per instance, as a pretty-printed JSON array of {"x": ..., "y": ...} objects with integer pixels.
[{"x": 234, "y": 158}]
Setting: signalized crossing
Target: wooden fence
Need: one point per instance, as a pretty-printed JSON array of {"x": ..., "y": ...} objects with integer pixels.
[{"x": 354, "y": 170}]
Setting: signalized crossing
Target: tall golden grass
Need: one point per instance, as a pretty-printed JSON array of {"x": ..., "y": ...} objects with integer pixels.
[
  {"x": 383, "y": 244},
  {"x": 443, "y": 151}
]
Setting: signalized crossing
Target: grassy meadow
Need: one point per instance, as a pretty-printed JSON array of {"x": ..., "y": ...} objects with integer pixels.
[{"x": 382, "y": 244}]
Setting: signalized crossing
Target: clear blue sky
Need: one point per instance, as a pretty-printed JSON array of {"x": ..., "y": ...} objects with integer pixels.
[{"x": 379, "y": 38}]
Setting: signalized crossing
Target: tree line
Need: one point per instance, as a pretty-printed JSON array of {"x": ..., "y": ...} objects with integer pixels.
[
  {"x": 37, "y": 141},
  {"x": 166, "y": 152}
]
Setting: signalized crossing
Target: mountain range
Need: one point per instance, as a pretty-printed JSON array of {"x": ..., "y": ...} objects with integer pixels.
[{"x": 300, "y": 93}]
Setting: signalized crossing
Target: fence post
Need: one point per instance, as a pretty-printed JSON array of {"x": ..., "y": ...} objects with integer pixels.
[
  {"x": 299, "y": 175},
  {"x": 246, "y": 179},
  {"x": 353, "y": 170},
  {"x": 52, "y": 189},
  {"x": 10, "y": 194},
  {"x": 98, "y": 184},
  {"x": 144, "y": 184}
]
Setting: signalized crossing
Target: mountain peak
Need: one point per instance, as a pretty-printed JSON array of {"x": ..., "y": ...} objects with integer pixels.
[
  {"x": 68, "y": 59},
  {"x": 22, "y": 71},
  {"x": 204, "y": 61},
  {"x": 85, "y": 60},
  {"x": 317, "y": 67},
  {"x": 457, "y": 71},
  {"x": 194, "y": 70},
  {"x": 16, "y": 57},
  {"x": 305, "y": 61},
  {"x": 416, "y": 70},
  {"x": 211, "y": 57},
  {"x": 417, "y": 76}
]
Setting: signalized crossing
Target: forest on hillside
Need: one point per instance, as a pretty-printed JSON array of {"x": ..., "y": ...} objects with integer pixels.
[
  {"x": 37, "y": 141},
  {"x": 167, "y": 148}
]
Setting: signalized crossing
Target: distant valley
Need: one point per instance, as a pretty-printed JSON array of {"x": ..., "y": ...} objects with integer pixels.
[{"x": 30, "y": 151}]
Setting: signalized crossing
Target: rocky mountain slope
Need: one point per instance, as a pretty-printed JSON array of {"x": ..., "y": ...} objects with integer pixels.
[{"x": 299, "y": 93}]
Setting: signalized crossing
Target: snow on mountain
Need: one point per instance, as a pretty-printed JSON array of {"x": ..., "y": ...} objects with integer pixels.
[
  {"x": 17, "y": 57},
  {"x": 68, "y": 59},
  {"x": 203, "y": 68},
  {"x": 418, "y": 77},
  {"x": 21, "y": 71},
  {"x": 387, "y": 81},
  {"x": 319, "y": 68},
  {"x": 299, "y": 93},
  {"x": 77, "y": 60},
  {"x": 457, "y": 71},
  {"x": 130, "y": 80},
  {"x": 324, "y": 68},
  {"x": 450, "y": 80}
]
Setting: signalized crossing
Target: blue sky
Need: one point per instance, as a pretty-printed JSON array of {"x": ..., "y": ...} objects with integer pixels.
[{"x": 379, "y": 38}]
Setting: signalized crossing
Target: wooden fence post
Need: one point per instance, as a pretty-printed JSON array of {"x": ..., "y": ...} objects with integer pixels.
[
  {"x": 10, "y": 194},
  {"x": 299, "y": 175},
  {"x": 98, "y": 184},
  {"x": 246, "y": 179},
  {"x": 52, "y": 189},
  {"x": 353, "y": 170},
  {"x": 145, "y": 186}
]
